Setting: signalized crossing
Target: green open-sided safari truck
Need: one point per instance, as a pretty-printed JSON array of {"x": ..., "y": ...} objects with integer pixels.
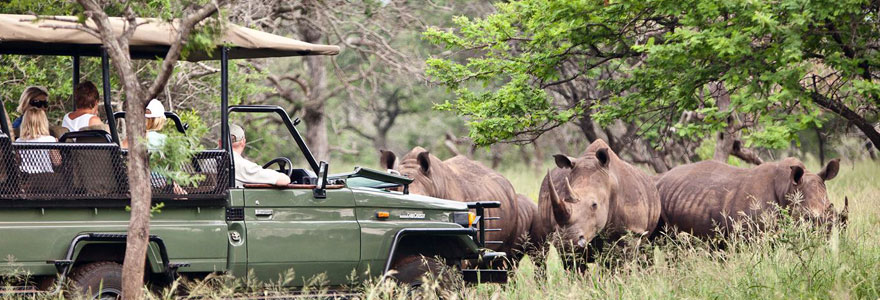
[{"x": 69, "y": 225}]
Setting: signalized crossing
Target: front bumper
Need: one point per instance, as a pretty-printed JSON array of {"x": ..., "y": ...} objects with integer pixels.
[{"x": 485, "y": 274}]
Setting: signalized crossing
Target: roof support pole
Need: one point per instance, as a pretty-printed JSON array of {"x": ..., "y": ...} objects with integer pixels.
[
  {"x": 224, "y": 111},
  {"x": 4, "y": 127},
  {"x": 75, "y": 75},
  {"x": 108, "y": 107}
]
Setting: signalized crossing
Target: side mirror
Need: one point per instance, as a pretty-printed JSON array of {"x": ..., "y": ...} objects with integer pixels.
[{"x": 320, "y": 191}]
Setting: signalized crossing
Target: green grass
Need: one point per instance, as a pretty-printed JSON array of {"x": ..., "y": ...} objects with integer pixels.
[{"x": 793, "y": 261}]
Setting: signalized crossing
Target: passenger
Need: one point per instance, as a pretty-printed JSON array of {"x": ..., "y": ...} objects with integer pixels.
[
  {"x": 32, "y": 96},
  {"x": 155, "y": 122},
  {"x": 247, "y": 171},
  {"x": 86, "y": 114},
  {"x": 155, "y": 115},
  {"x": 35, "y": 129}
]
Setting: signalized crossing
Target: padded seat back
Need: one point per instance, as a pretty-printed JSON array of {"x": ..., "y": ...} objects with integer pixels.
[
  {"x": 71, "y": 171},
  {"x": 8, "y": 169}
]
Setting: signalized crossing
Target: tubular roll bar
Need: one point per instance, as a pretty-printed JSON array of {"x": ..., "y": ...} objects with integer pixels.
[
  {"x": 291, "y": 126},
  {"x": 3, "y": 125},
  {"x": 178, "y": 124},
  {"x": 108, "y": 107},
  {"x": 224, "y": 112}
]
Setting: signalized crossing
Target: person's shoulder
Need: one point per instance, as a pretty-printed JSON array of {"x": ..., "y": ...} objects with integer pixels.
[{"x": 46, "y": 139}]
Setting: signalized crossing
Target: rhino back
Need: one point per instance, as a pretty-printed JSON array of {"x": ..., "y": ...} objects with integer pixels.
[
  {"x": 476, "y": 182},
  {"x": 701, "y": 196}
]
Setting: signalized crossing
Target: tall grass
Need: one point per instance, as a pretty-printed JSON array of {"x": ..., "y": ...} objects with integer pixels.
[
  {"x": 791, "y": 261},
  {"x": 795, "y": 261}
]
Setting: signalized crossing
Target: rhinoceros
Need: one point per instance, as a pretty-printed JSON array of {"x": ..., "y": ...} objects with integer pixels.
[
  {"x": 709, "y": 197},
  {"x": 594, "y": 199},
  {"x": 462, "y": 179}
]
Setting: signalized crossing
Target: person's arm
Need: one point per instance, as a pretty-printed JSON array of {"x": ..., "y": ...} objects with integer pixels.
[
  {"x": 95, "y": 120},
  {"x": 282, "y": 179},
  {"x": 248, "y": 172}
]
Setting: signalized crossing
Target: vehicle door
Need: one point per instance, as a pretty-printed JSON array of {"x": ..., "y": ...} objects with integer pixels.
[{"x": 291, "y": 230}]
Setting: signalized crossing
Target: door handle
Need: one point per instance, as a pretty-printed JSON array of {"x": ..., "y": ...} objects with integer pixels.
[{"x": 263, "y": 212}]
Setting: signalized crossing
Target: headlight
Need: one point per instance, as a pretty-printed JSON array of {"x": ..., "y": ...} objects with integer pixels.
[{"x": 463, "y": 218}]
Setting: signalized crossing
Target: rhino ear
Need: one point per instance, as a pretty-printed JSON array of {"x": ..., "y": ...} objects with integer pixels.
[
  {"x": 424, "y": 159},
  {"x": 830, "y": 170},
  {"x": 797, "y": 173},
  {"x": 603, "y": 157},
  {"x": 387, "y": 159},
  {"x": 563, "y": 161}
]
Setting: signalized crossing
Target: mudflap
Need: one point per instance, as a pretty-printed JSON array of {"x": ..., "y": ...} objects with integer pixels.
[{"x": 484, "y": 276}]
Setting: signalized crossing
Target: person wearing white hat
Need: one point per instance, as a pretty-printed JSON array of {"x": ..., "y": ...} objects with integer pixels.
[
  {"x": 155, "y": 114},
  {"x": 247, "y": 171},
  {"x": 155, "y": 122}
]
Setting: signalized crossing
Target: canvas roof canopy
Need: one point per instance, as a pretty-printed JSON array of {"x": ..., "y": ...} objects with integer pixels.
[{"x": 26, "y": 35}]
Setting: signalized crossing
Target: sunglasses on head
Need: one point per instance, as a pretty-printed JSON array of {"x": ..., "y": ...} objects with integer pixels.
[{"x": 40, "y": 103}]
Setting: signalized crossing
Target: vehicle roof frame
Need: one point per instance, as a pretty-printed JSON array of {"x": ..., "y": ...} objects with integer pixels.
[{"x": 78, "y": 50}]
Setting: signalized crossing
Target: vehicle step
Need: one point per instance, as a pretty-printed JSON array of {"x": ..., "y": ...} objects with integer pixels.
[
  {"x": 494, "y": 242},
  {"x": 492, "y": 229},
  {"x": 492, "y": 218}
]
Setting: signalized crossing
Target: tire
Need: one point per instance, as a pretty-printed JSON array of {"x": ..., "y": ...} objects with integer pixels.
[
  {"x": 412, "y": 270},
  {"x": 98, "y": 280}
]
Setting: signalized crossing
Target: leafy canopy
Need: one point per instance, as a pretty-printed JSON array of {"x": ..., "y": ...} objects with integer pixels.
[{"x": 774, "y": 58}]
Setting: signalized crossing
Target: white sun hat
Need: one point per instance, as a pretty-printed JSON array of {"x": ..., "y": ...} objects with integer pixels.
[{"x": 157, "y": 110}]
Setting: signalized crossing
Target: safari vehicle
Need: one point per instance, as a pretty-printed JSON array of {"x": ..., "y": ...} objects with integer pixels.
[{"x": 69, "y": 225}]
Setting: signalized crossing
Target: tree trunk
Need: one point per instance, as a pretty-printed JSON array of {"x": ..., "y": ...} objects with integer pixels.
[
  {"x": 141, "y": 195},
  {"x": 821, "y": 139},
  {"x": 380, "y": 141},
  {"x": 725, "y": 138},
  {"x": 316, "y": 130}
]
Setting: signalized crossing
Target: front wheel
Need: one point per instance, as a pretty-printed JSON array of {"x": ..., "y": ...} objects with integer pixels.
[
  {"x": 98, "y": 280},
  {"x": 414, "y": 269}
]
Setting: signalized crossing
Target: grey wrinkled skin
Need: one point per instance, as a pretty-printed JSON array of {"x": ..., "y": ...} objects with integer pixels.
[
  {"x": 466, "y": 180},
  {"x": 702, "y": 197},
  {"x": 593, "y": 199}
]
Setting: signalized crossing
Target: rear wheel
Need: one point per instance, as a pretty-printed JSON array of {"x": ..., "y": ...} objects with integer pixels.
[{"x": 99, "y": 280}]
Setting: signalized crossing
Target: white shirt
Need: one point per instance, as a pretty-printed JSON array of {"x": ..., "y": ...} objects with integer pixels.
[
  {"x": 248, "y": 172},
  {"x": 76, "y": 124},
  {"x": 36, "y": 160}
]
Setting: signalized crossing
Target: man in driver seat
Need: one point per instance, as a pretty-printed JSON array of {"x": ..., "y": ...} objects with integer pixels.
[{"x": 247, "y": 172}]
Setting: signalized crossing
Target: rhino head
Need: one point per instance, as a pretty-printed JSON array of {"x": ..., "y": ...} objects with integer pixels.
[
  {"x": 426, "y": 171},
  {"x": 581, "y": 200},
  {"x": 812, "y": 202}
]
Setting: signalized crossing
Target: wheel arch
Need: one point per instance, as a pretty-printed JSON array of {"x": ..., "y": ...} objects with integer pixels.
[
  {"x": 448, "y": 243},
  {"x": 93, "y": 247}
]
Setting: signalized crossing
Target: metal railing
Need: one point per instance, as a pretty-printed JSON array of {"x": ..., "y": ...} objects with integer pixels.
[{"x": 481, "y": 219}]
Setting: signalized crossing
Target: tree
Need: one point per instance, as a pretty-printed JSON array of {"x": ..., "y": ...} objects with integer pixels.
[
  {"x": 778, "y": 63},
  {"x": 136, "y": 97}
]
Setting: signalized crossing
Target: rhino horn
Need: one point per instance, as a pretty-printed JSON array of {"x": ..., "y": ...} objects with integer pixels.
[{"x": 561, "y": 210}]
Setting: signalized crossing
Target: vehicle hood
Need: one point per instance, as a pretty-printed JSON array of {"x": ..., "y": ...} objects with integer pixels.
[{"x": 381, "y": 198}]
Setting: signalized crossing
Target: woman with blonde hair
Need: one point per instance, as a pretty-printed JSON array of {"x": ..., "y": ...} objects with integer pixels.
[
  {"x": 155, "y": 114},
  {"x": 35, "y": 129},
  {"x": 32, "y": 96}
]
